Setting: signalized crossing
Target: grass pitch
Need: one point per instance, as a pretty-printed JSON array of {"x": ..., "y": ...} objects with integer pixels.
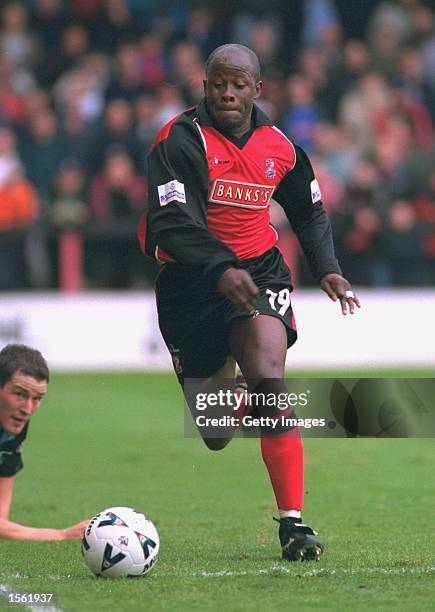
[{"x": 117, "y": 439}]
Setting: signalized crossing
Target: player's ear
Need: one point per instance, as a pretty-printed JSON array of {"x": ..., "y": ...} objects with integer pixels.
[{"x": 258, "y": 89}]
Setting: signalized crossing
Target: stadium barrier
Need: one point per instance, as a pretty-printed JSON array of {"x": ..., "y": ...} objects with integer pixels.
[{"x": 111, "y": 330}]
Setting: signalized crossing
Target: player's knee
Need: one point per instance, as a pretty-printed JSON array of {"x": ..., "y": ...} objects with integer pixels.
[
  {"x": 216, "y": 444},
  {"x": 268, "y": 366}
]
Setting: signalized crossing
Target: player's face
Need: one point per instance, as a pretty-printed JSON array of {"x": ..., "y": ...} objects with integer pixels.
[
  {"x": 230, "y": 91},
  {"x": 19, "y": 399}
]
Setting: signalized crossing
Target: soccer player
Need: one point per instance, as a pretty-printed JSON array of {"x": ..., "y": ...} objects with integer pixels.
[
  {"x": 223, "y": 293},
  {"x": 24, "y": 378}
]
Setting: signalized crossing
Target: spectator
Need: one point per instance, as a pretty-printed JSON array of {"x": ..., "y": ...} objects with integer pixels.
[
  {"x": 325, "y": 84},
  {"x": 332, "y": 188},
  {"x": 425, "y": 201},
  {"x": 111, "y": 25},
  {"x": 48, "y": 19},
  {"x": 334, "y": 146},
  {"x": 301, "y": 115},
  {"x": 84, "y": 85},
  {"x": 342, "y": 77},
  {"x": 424, "y": 205},
  {"x": 358, "y": 223},
  {"x": 16, "y": 40},
  {"x": 187, "y": 71},
  {"x": 321, "y": 23},
  {"x": 117, "y": 128},
  {"x": 204, "y": 30},
  {"x": 392, "y": 161},
  {"x": 147, "y": 121},
  {"x": 170, "y": 102},
  {"x": 127, "y": 81},
  {"x": 424, "y": 23},
  {"x": 118, "y": 192},
  {"x": 359, "y": 106},
  {"x": 67, "y": 216},
  {"x": 86, "y": 10},
  {"x": 68, "y": 205},
  {"x": 34, "y": 102},
  {"x": 401, "y": 104},
  {"x": 18, "y": 210},
  {"x": 265, "y": 41},
  {"x": 356, "y": 61},
  {"x": 42, "y": 148},
  {"x": 74, "y": 46},
  {"x": 403, "y": 240},
  {"x": 389, "y": 27},
  {"x": 118, "y": 196},
  {"x": 19, "y": 48},
  {"x": 11, "y": 102},
  {"x": 410, "y": 76},
  {"x": 152, "y": 61},
  {"x": 275, "y": 97}
]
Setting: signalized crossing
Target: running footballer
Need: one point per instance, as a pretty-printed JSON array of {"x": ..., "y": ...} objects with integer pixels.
[{"x": 223, "y": 293}]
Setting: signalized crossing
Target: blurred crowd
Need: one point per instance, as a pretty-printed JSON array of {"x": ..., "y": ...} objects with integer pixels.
[{"x": 86, "y": 84}]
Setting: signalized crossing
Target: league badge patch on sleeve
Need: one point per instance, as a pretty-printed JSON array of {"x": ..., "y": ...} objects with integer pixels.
[
  {"x": 174, "y": 190},
  {"x": 315, "y": 191}
]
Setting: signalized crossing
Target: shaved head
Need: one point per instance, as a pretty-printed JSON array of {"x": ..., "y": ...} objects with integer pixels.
[
  {"x": 231, "y": 85},
  {"x": 235, "y": 56}
]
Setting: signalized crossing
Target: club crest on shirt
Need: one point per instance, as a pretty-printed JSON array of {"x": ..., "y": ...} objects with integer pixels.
[{"x": 270, "y": 171}]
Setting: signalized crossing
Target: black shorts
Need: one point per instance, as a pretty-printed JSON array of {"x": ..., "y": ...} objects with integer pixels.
[{"x": 195, "y": 319}]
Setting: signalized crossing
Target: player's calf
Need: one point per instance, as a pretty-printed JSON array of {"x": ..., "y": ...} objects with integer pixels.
[{"x": 240, "y": 390}]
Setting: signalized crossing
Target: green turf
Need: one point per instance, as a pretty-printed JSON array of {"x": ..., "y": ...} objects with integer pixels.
[{"x": 102, "y": 440}]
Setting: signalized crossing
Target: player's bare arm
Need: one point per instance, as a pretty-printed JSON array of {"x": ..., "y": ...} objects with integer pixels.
[
  {"x": 6, "y": 493},
  {"x": 338, "y": 288},
  {"x": 14, "y": 531},
  {"x": 238, "y": 286}
]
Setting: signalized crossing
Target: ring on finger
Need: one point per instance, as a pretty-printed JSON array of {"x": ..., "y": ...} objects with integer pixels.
[{"x": 350, "y": 294}]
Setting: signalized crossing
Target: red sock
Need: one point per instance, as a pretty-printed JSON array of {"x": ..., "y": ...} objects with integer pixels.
[{"x": 284, "y": 459}]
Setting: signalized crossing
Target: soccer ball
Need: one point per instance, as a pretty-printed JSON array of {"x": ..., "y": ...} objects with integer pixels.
[{"x": 120, "y": 542}]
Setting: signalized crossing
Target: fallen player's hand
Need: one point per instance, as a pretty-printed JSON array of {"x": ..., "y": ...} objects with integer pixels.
[
  {"x": 338, "y": 288},
  {"x": 238, "y": 286},
  {"x": 75, "y": 532}
]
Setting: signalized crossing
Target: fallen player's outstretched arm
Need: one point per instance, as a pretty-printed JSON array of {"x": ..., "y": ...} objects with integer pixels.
[{"x": 14, "y": 531}]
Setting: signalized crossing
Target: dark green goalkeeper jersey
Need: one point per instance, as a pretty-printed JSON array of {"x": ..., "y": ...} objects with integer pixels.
[{"x": 10, "y": 452}]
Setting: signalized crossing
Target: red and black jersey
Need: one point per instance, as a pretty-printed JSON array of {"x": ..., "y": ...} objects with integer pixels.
[{"x": 209, "y": 195}]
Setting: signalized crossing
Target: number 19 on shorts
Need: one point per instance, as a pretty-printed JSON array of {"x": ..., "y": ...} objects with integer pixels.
[{"x": 280, "y": 302}]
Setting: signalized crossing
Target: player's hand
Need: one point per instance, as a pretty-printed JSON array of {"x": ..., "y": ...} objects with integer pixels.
[
  {"x": 238, "y": 286},
  {"x": 338, "y": 288},
  {"x": 75, "y": 532}
]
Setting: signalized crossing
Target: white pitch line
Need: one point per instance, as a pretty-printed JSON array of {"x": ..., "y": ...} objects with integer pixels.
[
  {"x": 4, "y": 576},
  {"x": 392, "y": 571},
  {"x": 6, "y": 590}
]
